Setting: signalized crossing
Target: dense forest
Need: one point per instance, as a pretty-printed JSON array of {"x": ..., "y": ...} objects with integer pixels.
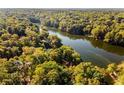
[
  {"x": 104, "y": 25},
  {"x": 30, "y": 56}
]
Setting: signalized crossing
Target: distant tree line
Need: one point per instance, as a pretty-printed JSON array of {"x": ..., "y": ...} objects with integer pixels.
[{"x": 107, "y": 26}]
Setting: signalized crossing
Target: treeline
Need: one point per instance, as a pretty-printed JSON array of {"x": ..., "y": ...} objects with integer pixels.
[
  {"x": 29, "y": 55},
  {"x": 106, "y": 25}
]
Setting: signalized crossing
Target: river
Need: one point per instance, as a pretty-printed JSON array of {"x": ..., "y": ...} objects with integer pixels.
[{"x": 95, "y": 51}]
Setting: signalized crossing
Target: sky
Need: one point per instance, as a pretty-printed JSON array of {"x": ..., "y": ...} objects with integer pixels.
[{"x": 61, "y": 3}]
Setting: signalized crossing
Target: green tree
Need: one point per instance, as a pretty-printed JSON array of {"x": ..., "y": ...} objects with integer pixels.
[{"x": 49, "y": 73}]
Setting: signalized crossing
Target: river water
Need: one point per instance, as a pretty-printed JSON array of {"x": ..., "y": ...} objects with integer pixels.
[{"x": 98, "y": 52}]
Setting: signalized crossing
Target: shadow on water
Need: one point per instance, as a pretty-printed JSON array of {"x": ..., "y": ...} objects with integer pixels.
[{"x": 96, "y": 51}]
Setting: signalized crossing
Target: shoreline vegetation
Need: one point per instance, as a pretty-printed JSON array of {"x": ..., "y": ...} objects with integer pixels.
[
  {"x": 30, "y": 56},
  {"x": 105, "y": 25}
]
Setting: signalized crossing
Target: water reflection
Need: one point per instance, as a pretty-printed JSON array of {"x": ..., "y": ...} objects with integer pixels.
[{"x": 98, "y": 52}]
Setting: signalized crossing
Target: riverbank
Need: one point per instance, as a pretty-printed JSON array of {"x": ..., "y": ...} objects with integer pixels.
[{"x": 95, "y": 51}]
